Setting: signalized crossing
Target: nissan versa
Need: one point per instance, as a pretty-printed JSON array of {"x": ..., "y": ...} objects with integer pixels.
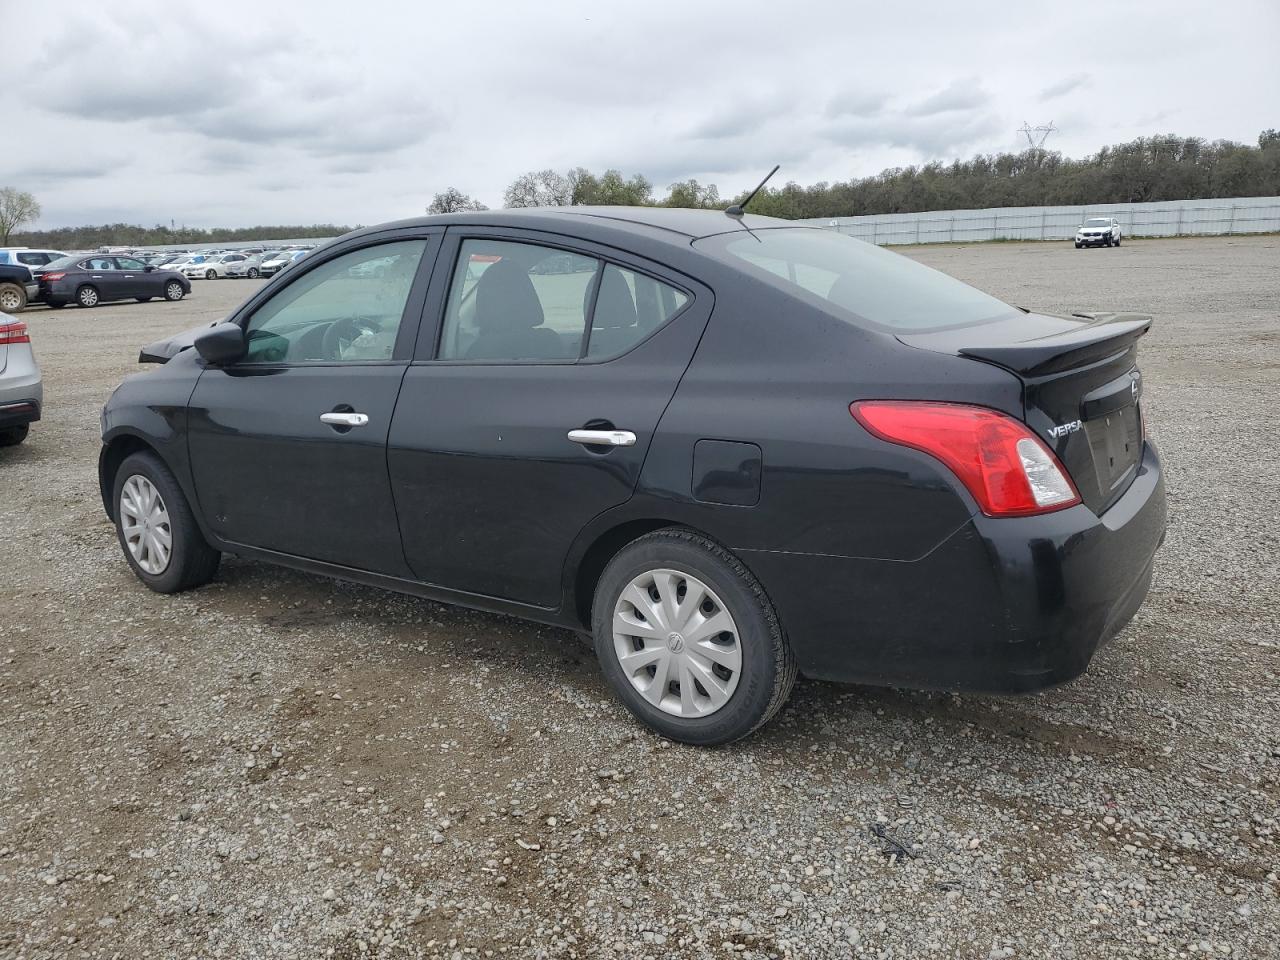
[{"x": 731, "y": 448}]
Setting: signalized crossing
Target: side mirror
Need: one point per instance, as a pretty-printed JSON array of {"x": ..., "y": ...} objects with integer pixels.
[
  {"x": 222, "y": 344},
  {"x": 150, "y": 268}
]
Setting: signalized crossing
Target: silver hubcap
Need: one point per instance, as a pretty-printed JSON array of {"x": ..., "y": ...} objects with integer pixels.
[
  {"x": 175, "y": 291},
  {"x": 145, "y": 522},
  {"x": 88, "y": 296},
  {"x": 10, "y": 300},
  {"x": 677, "y": 643}
]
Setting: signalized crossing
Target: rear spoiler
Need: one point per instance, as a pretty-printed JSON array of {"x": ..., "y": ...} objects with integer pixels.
[{"x": 1104, "y": 335}]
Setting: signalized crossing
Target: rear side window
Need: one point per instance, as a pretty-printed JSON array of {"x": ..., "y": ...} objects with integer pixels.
[
  {"x": 523, "y": 301},
  {"x": 517, "y": 301},
  {"x": 874, "y": 287},
  {"x": 628, "y": 308},
  {"x": 33, "y": 259}
]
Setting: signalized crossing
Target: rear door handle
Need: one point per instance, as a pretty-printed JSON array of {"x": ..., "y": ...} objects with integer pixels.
[
  {"x": 344, "y": 419},
  {"x": 604, "y": 438}
]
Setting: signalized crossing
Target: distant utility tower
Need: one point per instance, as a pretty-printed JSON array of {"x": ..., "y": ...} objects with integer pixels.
[{"x": 1036, "y": 136}]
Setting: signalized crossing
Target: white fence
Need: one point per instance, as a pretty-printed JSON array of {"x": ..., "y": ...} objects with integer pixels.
[{"x": 1164, "y": 218}]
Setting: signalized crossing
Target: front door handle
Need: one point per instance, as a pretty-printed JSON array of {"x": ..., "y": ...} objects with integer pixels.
[
  {"x": 603, "y": 438},
  {"x": 344, "y": 419}
]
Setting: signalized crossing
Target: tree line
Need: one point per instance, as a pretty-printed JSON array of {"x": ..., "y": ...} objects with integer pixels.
[{"x": 1165, "y": 167}]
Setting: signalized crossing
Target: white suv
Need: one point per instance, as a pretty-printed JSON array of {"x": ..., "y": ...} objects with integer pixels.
[
  {"x": 29, "y": 257},
  {"x": 1098, "y": 232},
  {"x": 213, "y": 267}
]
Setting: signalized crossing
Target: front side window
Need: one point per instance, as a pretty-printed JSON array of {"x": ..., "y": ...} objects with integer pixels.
[
  {"x": 517, "y": 301},
  {"x": 346, "y": 310},
  {"x": 880, "y": 289}
]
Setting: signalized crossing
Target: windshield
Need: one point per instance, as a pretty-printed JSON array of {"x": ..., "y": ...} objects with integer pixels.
[
  {"x": 1097, "y": 223},
  {"x": 883, "y": 290}
]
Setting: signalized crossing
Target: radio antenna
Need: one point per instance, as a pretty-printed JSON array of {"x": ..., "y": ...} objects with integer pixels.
[{"x": 739, "y": 209}]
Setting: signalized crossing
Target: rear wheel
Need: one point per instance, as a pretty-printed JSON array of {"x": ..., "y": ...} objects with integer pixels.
[
  {"x": 87, "y": 296},
  {"x": 173, "y": 291},
  {"x": 210, "y": 275},
  {"x": 12, "y": 297},
  {"x": 156, "y": 528},
  {"x": 253, "y": 273},
  {"x": 688, "y": 640},
  {"x": 13, "y": 436}
]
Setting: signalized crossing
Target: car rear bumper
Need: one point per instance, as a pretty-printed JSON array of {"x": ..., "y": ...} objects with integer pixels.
[{"x": 1001, "y": 606}]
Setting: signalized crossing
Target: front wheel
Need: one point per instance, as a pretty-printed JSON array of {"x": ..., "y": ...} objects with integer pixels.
[
  {"x": 173, "y": 291},
  {"x": 1079, "y": 244},
  {"x": 210, "y": 275},
  {"x": 1117, "y": 241},
  {"x": 156, "y": 528},
  {"x": 688, "y": 640},
  {"x": 13, "y": 297},
  {"x": 253, "y": 273},
  {"x": 87, "y": 296}
]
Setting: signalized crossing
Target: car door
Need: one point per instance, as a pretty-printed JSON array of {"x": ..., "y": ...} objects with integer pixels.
[
  {"x": 288, "y": 446},
  {"x": 133, "y": 277},
  {"x": 104, "y": 275},
  {"x": 492, "y": 478}
]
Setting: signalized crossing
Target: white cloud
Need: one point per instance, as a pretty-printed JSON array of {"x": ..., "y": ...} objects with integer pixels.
[{"x": 342, "y": 113}]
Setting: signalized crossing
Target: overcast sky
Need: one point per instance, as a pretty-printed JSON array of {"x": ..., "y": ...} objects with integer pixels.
[{"x": 319, "y": 112}]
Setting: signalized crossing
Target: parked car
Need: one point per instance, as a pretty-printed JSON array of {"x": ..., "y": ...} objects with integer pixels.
[
  {"x": 17, "y": 287},
  {"x": 730, "y": 448},
  {"x": 250, "y": 266},
  {"x": 282, "y": 259},
  {"x": 89, "y": 281},
  {"x": 1098, "y": 232},
  {"x": 28, "y": 257},
  {"x": 21, "y": 391},
  {"x": 212, "y": 266}
]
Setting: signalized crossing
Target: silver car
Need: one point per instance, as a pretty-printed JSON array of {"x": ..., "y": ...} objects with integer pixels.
[{"x": 21, "y": 394}]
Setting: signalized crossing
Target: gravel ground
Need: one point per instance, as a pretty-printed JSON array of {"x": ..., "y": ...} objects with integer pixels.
[{"x": 282, "y": 766}]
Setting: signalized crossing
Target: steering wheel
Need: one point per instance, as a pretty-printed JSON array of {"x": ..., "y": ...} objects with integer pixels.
[{"x": 341, "y": 333}]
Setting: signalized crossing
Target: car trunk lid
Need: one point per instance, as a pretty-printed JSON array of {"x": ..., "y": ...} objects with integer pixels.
[{"x": 1081, "y": 388}]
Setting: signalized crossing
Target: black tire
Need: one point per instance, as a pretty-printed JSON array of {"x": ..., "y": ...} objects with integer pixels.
[
  {"x": 192, "y": 562},
  {"x": 768, "y": 668},
  {"x": 173, "y": 291},
  {"x": 88, "y": 296},
  {"x": 253, "y": 273},
  {"x": 1079, "y": 245},
  {"x": 13, "y": 436},
  {"x": 1118, "y": 241},
  {"x": 13, "y": 297},
  {"x": 143, "y": 299}
]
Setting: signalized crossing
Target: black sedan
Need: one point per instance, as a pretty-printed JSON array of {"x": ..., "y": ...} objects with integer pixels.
[
  {"x": 94, "y": 279},
  {"x": 730, "y": 448}
]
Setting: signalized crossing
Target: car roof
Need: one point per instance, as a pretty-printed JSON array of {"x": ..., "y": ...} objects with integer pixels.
[{"x": 674, "y": 224}]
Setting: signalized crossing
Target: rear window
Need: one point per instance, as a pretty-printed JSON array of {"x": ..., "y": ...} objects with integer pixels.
[{"x": 879, "y": 289}]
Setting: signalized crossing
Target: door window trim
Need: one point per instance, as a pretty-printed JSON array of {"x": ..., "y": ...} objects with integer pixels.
[
  {"x": 410, "y": 317},
  {"x": 428, "y": 350}
]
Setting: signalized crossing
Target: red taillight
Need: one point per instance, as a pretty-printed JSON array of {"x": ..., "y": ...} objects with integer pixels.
[
  {"x": 52, "y": 276},
  {"x": 1006, "y": 467},
  {"x": 13, "y": 333}
]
